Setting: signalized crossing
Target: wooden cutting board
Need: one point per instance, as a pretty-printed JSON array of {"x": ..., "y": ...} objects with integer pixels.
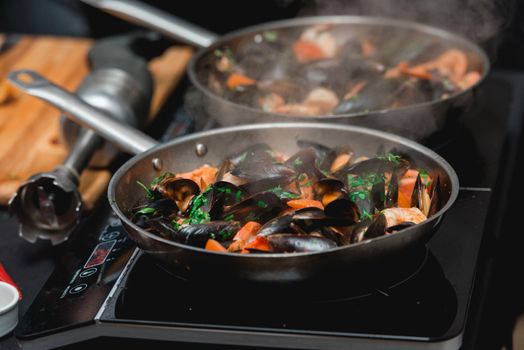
[{"x": 30, "y": 140}]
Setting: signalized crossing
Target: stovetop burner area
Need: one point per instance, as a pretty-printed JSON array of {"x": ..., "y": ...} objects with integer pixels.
[{"x": 145, "y": 301}]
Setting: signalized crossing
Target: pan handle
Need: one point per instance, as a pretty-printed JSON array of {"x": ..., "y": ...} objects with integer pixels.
[
  {"x": 125, "y": 137},
  {"x": 142, "y": 14}
]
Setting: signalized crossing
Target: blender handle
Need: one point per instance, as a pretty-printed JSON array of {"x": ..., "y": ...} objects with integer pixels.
[
  {"x": 142, "y": 14},
  {"x": 125, "y": 137}
]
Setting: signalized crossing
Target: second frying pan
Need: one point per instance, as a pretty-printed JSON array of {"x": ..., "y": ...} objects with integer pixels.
[{"x": 415, "y": 121}]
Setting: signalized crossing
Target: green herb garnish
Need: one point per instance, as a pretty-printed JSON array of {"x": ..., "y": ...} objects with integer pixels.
[
  {"x": 283, "y": 194},
  {"x": 390, "y": 157},
  {"x": 230, "y": 217},
  {"x": 196, "y": 214},
  {"x": 297, "y": 162},
  {"x": 159, "y": 179},
  {"x": 262, "y": 204},
  {"x": 424, "y": 176},
  {"x": 176, "y": 226},
  {"x": 149, "y": 194},
  {"x": 359, "y": 194},
  {"x": 146, "y": 211},
  {"x": 270, "y": 36}
]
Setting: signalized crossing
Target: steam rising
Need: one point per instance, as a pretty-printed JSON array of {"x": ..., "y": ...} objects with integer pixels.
[{"x": 477, "y": 20}]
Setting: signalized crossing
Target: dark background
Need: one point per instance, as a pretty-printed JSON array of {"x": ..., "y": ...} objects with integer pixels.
[{"x": 504, "y": 44}]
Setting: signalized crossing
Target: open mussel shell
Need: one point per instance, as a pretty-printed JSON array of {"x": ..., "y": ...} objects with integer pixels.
[
  {"x": 181, "y": 191},
  {"x": 221, "y": 194},
  {"x": 327, "y": 190},
  {"x": 369, "y": 228}
]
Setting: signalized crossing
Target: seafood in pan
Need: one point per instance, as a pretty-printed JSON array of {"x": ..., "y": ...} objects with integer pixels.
[
  {"x": 260, "y": 200},
  {"x": 327, "y": 70}
]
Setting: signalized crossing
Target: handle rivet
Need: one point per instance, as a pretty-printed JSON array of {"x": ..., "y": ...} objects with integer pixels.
[
  {"x": 157, "y": 164},
  {"x": 200, "y": 149}
]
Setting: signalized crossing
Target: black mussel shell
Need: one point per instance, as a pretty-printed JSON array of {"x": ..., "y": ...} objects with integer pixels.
[
  {"x": 278, "y": 224},
  {"x": 197, "y": 235},
  {"x": 343, "y": 208},
  {"x": 162, "y": 207},
  {"x": 219, "y": 195},
  {"x": 322, "y": 152},
  {"x": 328, "y": 186},
  {"x": 161, "y": 226},
  {"x": 259, "y": 207},
  {"x": 400, "y": 226},
  {"x": 304, "y": 162},
  {"x": 369, "y": 228},
  {"x": 257, "y": 153},
  {"x": 256, "y": 171},
  {"x": 293, "y": 243},
  {"x": 392, "y": 191},
  {"x": 378, "y": 196},
  {"x": 312, "y": 218},
  {"x": 436, "y": 197}
]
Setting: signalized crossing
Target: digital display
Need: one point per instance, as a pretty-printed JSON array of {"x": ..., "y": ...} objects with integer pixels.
[{"x": 99, "y": 254}]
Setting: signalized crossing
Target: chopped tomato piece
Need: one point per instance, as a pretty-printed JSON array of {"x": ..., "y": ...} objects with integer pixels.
[
  {"x": 236, "y": 79},
  {"x": 405, "y": 188},
  {"x": 259, "y": 243},
  {"x": 247, "y": 231},
  {"x": 203, "y": 176},
  {"x": 304, "y": 203},
  {"x": 211, "y": 244}
]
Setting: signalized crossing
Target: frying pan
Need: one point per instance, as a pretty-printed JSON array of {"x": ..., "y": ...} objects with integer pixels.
[
  {"x": 187, "y": 153},
  {"x": 415, "y": 121}
]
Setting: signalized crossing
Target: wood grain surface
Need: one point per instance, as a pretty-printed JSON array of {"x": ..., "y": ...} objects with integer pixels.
[{"x": 30, "y": 140}]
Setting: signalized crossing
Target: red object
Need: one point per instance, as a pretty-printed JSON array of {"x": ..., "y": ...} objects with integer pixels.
[{"x": 4, "y": 277}]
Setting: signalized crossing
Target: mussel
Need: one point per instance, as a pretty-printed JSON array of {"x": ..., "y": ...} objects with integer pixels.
[
  {"x": 197, "y": 234},
  {"x": 289, "y": 242},
  {"x": 181, "y": 191}
]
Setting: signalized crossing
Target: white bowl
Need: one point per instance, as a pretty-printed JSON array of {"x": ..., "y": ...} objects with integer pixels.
[{"x": 8, "y": 308}]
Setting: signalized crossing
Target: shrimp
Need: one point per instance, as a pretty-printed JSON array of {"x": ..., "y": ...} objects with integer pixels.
[{"x": 396, "y": 216}]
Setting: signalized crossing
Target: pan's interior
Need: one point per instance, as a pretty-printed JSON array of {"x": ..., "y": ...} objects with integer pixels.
[
  {"x": 395, "y": 41},
  {"x": 180, "y": 156}
]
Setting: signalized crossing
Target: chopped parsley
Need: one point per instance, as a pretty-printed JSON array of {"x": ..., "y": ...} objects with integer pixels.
[
  {"x": 159, "y": 179},
  {"x": 390, "y": 157},
  {"x": 226, "y": 52},
  {"x": 262, "y": 204},
  {"x": 196, "y": 214},
  {"x": 359, "y": 194},
  {"x": 283, "y": 194},
  {"x": 365, "y": 215},
  {"x": 149, "y": 194},
  {"x": 424, "y": 176},
  {"x": 175, "y": 225},
  {"x": 238, "y": 196},
  {"x": 297, "y": 162},
  {"x": 270, "y": 36}
]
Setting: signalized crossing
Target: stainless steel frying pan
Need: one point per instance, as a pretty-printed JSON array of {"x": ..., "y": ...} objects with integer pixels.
[
  {"x": 187, "y": 153},
  {"x": 415, "y": 121}
]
